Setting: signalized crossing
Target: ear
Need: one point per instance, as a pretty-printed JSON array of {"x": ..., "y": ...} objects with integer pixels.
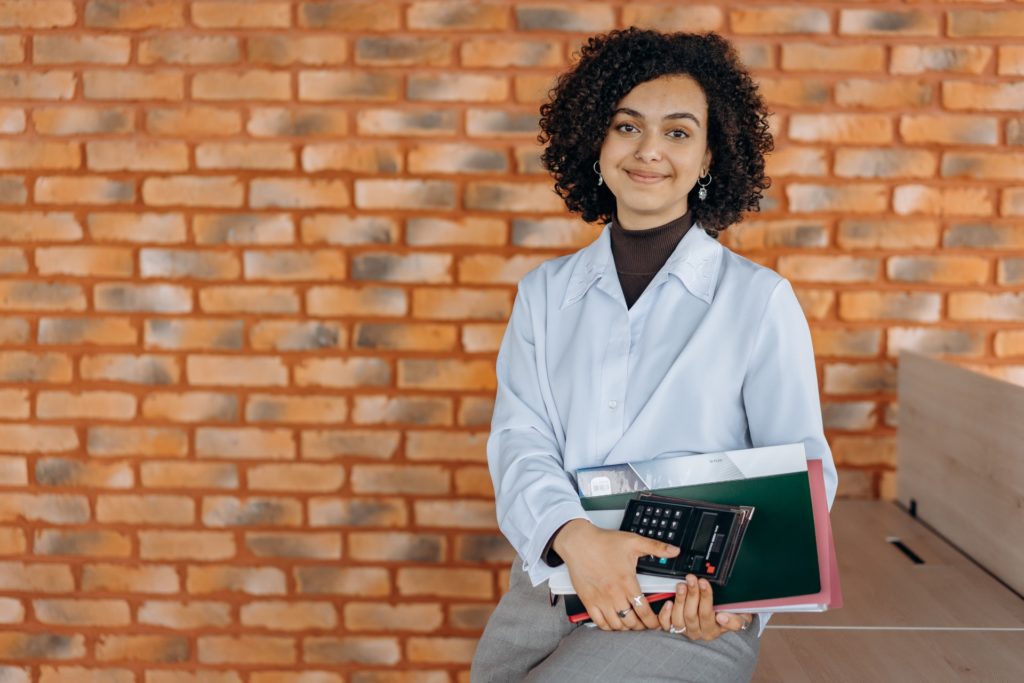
[{"x": 707, "y": 160}]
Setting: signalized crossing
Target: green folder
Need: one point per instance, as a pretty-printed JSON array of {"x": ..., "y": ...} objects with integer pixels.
[{"x": 779, "y": 554}]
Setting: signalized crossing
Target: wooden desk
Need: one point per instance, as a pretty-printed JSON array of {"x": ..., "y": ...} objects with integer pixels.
[{"x": 889, "y": 628}]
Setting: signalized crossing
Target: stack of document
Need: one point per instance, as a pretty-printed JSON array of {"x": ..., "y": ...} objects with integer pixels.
[{"x": 787, "y": 561}]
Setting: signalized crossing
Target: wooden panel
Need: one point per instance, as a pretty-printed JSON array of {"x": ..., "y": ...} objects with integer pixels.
[
  {"x": 882, "y": 587},
  {"x": 961, "y": 458}
]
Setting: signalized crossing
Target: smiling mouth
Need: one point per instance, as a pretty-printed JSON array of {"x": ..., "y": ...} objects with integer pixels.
[{"x": 645, "y": 177}]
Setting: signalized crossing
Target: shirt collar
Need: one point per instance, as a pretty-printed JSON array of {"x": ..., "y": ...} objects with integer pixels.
[{"x": 695, "y": 261}]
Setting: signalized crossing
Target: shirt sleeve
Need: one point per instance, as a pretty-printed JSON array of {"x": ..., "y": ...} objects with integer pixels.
[
  {"x": 780, "y": 389},
  {"x": 533, "y": 492}
]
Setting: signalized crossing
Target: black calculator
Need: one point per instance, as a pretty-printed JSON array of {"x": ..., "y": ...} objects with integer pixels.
[{"x": 707, "y": 534}]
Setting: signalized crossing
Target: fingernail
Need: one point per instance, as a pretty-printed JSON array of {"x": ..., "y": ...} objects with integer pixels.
[
  {"x": 691, "y": 580},
  {"x": 722, "y": 619},
  {"x": 704, "y": 585},
  {"x": 668, "y": 605}
]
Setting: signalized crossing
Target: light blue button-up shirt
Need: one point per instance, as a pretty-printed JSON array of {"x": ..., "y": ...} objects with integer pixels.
[{"x": 715, "y": 355}]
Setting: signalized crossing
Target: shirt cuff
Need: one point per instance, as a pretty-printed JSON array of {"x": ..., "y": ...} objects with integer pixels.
[{"x": 551, "y": 522}]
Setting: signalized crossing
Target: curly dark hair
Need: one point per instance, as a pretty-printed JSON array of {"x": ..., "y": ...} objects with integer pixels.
[{"x": 575, "y": 119}]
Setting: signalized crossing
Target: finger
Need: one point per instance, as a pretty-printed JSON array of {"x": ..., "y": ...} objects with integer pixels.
[
  {"x": 691, "y": 619},
  {"x": 665, "y": 615},
  {"x": 611, "y": 615},
  {"x": 643, "y": 610},
  {"x": 597, "y": 616},
  {"x": 648, "y": 546},
  {"x": 729, "y": 622},
  {"x": 708, "y": 626},
  {"x": 678, "y": 617},
  {"x": 633, "y": 623}
]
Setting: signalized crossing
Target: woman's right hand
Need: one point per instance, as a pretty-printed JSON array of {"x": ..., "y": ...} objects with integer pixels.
[{"x": 602, "y": 566}]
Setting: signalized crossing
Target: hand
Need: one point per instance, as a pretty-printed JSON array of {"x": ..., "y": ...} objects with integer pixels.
[
  {"x": 602, "y": 566},
  {"x": 693, "y": 610}
]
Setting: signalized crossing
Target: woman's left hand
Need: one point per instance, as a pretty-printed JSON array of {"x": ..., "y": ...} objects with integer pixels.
[{"x": 692, "y": 612}]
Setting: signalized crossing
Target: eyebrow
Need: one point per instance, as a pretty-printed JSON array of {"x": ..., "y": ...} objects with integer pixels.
[{"x": 677, "y": 115}]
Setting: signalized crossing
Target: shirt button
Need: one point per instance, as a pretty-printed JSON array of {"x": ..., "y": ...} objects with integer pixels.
[{"x": 613, "y": 404}]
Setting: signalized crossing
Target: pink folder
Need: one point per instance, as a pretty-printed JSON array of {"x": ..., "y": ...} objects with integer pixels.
[{"x": 831, "y": 593}]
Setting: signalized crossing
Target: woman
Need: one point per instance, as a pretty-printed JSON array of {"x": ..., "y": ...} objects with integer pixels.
[{"x": 654, "y": 338}]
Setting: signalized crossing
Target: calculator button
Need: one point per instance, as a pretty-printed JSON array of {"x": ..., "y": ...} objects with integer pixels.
[
  {"x": 645, "y": 521},
  {"x": 670, "y": 536},
  {"x": 663, "y": 523},
  {"x": 679, "y": 514}
]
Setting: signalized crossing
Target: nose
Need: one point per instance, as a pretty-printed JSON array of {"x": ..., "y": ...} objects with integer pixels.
[{"x": 647, "y": 149}]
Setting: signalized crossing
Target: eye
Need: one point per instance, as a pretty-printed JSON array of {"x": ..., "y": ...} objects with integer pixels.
[
  {"x": 682, "y": 134},
  {"x": 626, "y": 128}
]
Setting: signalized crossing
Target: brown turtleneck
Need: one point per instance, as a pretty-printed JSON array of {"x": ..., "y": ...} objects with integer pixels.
[{"x": 640, "y": 254}]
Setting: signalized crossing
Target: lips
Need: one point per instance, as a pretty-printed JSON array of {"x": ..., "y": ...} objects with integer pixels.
[{"x": 645, "y": 176}]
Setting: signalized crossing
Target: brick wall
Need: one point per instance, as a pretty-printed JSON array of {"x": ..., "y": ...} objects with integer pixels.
[{"x": 256, "y": 258}]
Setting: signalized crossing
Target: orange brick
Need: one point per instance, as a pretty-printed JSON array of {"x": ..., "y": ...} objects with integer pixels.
[
  {"x": 137, "y": 441},
  {"x": 441, "y": 649},
  {"x": 282, "y": 50},
  {"x": 192, "y": 191},
  {"x": 915, "y": 306},
  {"x": 132, "y": 85},
  {"x": 94, "y": 330},
  {"x": 930, "y": 341},
  {"x": 376, "y": 511},
  {"x": 14, "y": 404},
  {"x": 404, "y": 194},
  {"x": 80, "y": 674},
  {"x": 295, "y": 477},
  {"x": 95, "y": 405},
  {"x": 351, "y": 301},
  {"x": 184, "y": 615},
  {"x": 38, "y": 577},
  {"x": 13, "y": 471},
  {"x": 966, "y": 95},
  {"x": 146, "y": 509},
  {"x": 445, "y": 582},
  {"x": 188, "y": 475},
  {"x": 482, "y": 337},
  {"x": 364, "y": 582},
  {"x": 446, "y": 374},
  {"x": 458, "y": 88},
  {"x": 859, "y": 378},
  {"x": 51, "y": 14},
  {"x": 192, "y": 121},
  {"x": 14, "y": 331},
  {"x": 82, "y": 612},
  {"x": 885, "y": 163},
  {"x": 185, "y": 545},
  {"x": 245, "y": 155},
  {"x": 1011, "y": 60},
  {"x": 948, "y": 128},
  {"x": 414, "y": 479},
  {"x": 986, "y": 23},
  {"x": 829, "y": 268},
  {"x": 435, "y": 15},
  {"x": 692, "y": 18},
  {"x": 841, "y": 128},
  {"x": 465, "y": 514},
  {"x": 194, "y": 334},
  {"x": 986, "y": 306},
  {"x": 396, "y": 546},
  {"x": 297, "y": 122},
  {"x": 306, "y": 676},
  {"x": 371, "y": 616},
  {"x": 321, "y": 264},
  {"x": 357, "y": 85},
  {"x": 141, "y": 369},
  {"x": 183, "y": 49},
  {"x": 866, "y": 22},
  {"x": 942, "y": 201},
  {"x": 25, "y": 85},
  {"x": 204, "y": 579},
  {"x": 864, "y": 450},
  {"x": 861, "y": 92},
  {"x": 398, "y": 410},
  {"x": 85, "y": 261},
  {"x": 125, "y": 14},
  {"x": 502, "y": 123},
  {"x": 442, "y": 231},
  {"x": 22, "y": 366},
  {"x": 293, "y": 615},
  {"x": 83, "y": 190},
  {"x": 780, "y": 20},
  {"x": 329, "y": 445},
  {"x": 964, "y": 270},
  {"x": 252, "y": 85},
  {"x": 248, "y": 299},
  {"x": 474, "y": 481},
  {"x": 407, "y": 337},
  {"x": 861, "y": 343},
  {"x": 456, "y": 158},
  {"x": 12, "y": 261},
  {"x": 356, "y": 157},
  {"x": 54, "y": 471},
  {"x": 345, "y": 230},
  {"x": 27, "y": 226},
  {"x": 43, "y": 646},
  {"x": 51, "y": 508},
  {"x": 297, "y": 193},
  {"x": 1012, "y": 202},
  {"x": 349, "y": 15},
  {"x": 286, "y": 335},
  {"x": 295, "y": 545},
  {"x": 250, "y": 371},
  {"x": 296, "y": 409},
  {"x": 813, "y": 57},
  {"x": 341, "y": 373},
  {"x": 91, "y": 543},
  {"x": 236, "y": 14},
  {"x": 153, "y": 578},
  {"x": 755, "y": 234},
  {"x": 223, "y": 228},
  {"x": 915, "y": 59},
  {"x": 446, "y": 446},
  {"x": 1010, "y": 272},
  {"x": 142, "y": 648},
  {"x": 156, "y": 228},
  {"x": 171, "y": 263},
  {"x": 227, "y": 511},
  {"x": 420, "y": 123},
  {"x": 489, "y": 269},
  {"x": 215, "y": 442},
  {"x": 531, "y": 197},
  {"x": 15, "y": 154},
  {"x": 560, "y": 17},
  {"x": 1009, "y": 343},
  {"x": 859, "y": 198},
  {"x": 11, "y": 120},
  {"x": 351, "y": 649},
  {"x": 389, "y": 267}
]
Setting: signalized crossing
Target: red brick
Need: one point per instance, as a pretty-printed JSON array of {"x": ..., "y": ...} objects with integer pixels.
[
  {"x": 26, "y": 85},
  {"x": 84, "y": 474},
  {"x": 80, "y": 674},
  {"x": 295, "y": 545},
  {"x": 227, "y": 511},
  {"x": 283, "y": 50},
  {"x": 142, "y": 648},
  {"x": 204, "y": 579},
  {"x": 248, "y": 299},
  {"x": 273, "y": 444},
  {"x": 131, "y": 85},
  {"x": 222, "y": 191},
  {"x": 15, "y": 154},
  {"x": 861, "y": 92},
  {"x": 237, "y": 14},
  {"x": 185, "y": 545},
  {"x": 833, "y": 58},
  {"x": 44, "y": 646},
  {"x": 264, "y": 229},
  {"x": 344, "y": 86},
  {"x": 849, "y": 198},
  {"x": 964, "y": 270},
  {"x": 357, "y": 157},
  {"x": 321, "y": 264},
  {"x": 985, "y": 23},
  {"x": 942, "y": 201},
  {"x": 146, "y": 509},
  {"x": 82, "y": 612},
  {"x": 296, "y": 409},
  {"x": 69, "y": 49},
  {"x": 406, "y": 122},
  {"x": 365, "y": 582},
  {"x": 192, "y": 120},
  {"x": 446, "y": 582},
  {"x": 137, "y": 441},
  {"x": 22, "y": 366},
  {"x": 188, "y": 475},
  {"x": 780, "y": 20},
  {"x": 292, "y": 615},
  {"x": 298, "y": 193},
  {"x": 245, "y": 155},
  {"x": 29, "y": 295},
  {"x": 83, "y": 190},
  {"x": 164, "y": 333},
  {"x": 414, "y": 268},
  {"x": 859, "y": 378},
  {"x": 342, "y": 373},
  {"x": 885, "y": 163},
  {"x": 828, "y": 268},
  {"x": 90, "y": 543},
  {"x": 349, "y": 230},
  {"x": 184, "y": 616},
  {"x": 372, "y": 616},
  {"x": 410, "y": 410},
  {"x": 691, "y": 18},
  {"x": 404, "y": 337},
  {"x": 414, "y": 479},
  {"x": 14, "y": 404},
  {"x": 252, "y": 85},
  {"x": 349, "y": 15},
  {"x": 396, "y": 546},
  {"x": 473, "y": 230},
  {"x": 489, "y": 269},
  {"x": 1007, "y": 306},
  {"x": 38, "y": 577}
]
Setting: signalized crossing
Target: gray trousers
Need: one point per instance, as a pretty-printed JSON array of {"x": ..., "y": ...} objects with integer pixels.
[{"x": 527, "y": 639}]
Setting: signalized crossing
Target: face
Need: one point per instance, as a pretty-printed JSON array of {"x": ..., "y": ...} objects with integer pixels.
[{"x": 655, "y": 149}]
